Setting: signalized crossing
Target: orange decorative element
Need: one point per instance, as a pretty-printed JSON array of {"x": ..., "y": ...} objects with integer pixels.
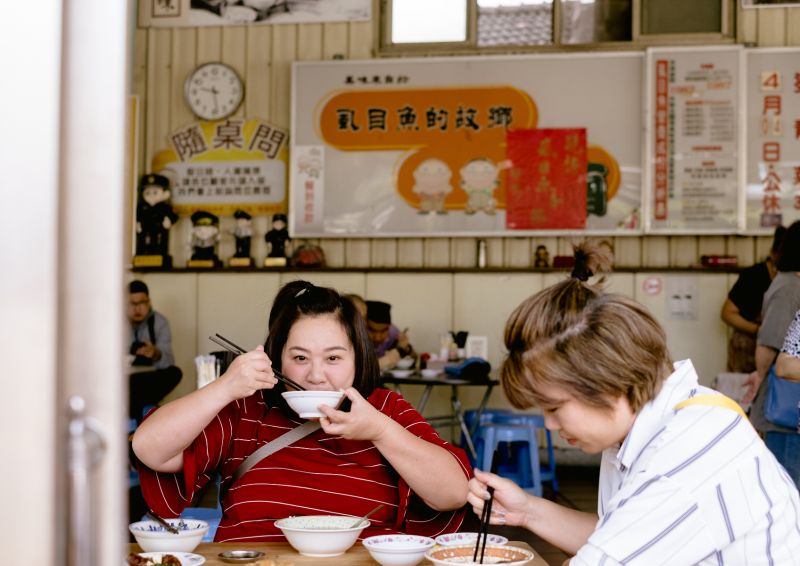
[
  {"x": 457, "y": 138},
  {"x": 378, "y": 120},
  {"x": 596, "y": 154}
]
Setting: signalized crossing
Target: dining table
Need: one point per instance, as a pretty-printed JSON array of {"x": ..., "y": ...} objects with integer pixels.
[{"x": 282, "y": 552}]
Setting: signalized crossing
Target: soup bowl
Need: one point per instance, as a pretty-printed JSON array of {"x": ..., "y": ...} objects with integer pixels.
[
  {"x": 493, "y": 554},
  {"x": 153, "y": 537},
  {"x": 398, "y": 550},
  {"x": 321, "y": 536},
  {"x": 405, "y": 363},
  {"x": 305, "y": 403}
]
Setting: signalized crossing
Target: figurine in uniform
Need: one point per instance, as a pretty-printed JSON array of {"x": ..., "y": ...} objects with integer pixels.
[
  {"x": 243, "y": 233},
  {"x": 154, "y": 216},
  {"x": 205, "y": 235},
  {"x": 277, "y": 237}
]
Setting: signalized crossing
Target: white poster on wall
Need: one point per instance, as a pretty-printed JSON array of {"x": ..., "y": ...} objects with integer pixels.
[
  {"x": 694, "y": 139},
  {"x": 773, "y": 138},
  {"x": 417, "y": 147}
]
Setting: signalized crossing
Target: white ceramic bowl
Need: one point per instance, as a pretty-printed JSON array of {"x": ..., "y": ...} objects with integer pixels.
[
  {"x": 510, "y": 555},
  {"x": 321, "y": 536},
  {"x": 429, "y": 373},
  {"x": 398, "y": 550},
  {"x": 460, "y": 539},
  {"x": 152, "y": 537},
  {"x": 405, "y": 363},
  {"x": 305, "y": 403},
  {"x": 401, "y": 373}
]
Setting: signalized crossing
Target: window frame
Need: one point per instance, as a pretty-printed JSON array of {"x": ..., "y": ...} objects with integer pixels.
[{"x": 385, "y": 48}]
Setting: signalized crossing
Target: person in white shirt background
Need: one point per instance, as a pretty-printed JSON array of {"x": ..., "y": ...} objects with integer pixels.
[{"x": 684, "y": 478}]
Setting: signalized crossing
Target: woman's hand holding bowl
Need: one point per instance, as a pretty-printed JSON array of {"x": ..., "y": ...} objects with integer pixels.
[
  {"x": 362, "y": 422},
  {"x": 249, "y": 373}
]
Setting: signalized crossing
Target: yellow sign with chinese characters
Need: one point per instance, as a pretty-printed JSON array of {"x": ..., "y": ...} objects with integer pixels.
[{"x": 226, "y": 165}]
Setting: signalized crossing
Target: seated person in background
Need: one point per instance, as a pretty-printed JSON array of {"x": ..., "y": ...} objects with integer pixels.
[
  {"x": 375, "y": 449},
  {"x": 684, "y": 477},
  {"x": 787, "y": 365},
  {"x": 390, "y": 344},
  {"x": 151, "y": 346},
  {"x": 742, "y": 308}
]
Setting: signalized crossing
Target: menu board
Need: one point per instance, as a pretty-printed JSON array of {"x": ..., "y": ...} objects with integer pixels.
[
  {"x": 419, "y": 147},
  {"x": 773, "y": 139},
  {"x": 693, "y": 139}
]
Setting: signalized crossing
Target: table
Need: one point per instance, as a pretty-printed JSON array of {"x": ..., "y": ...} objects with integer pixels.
[
  {"x": 283, "y": 552},
  {"x": 457, "y": 416}
]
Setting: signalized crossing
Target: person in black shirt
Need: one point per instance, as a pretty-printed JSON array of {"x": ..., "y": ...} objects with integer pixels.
[{"x": 742, "y": 308}]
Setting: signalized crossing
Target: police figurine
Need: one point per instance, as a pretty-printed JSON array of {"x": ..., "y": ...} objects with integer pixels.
[
  {"x": 205, "y": 235},
  {"x": 154, "y": 218},
  {"x": 277, "y": 238},
  {"x": 243, "y": 234}
]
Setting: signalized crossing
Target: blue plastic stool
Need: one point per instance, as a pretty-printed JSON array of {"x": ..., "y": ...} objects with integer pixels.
[
  {"x": 487, "y": 416},
  {"x": 518, "y": 452},
  {"x": 547, "y": 471},
  {"x": 493, "y": 434},
  {"x": 133, "y": 475}
]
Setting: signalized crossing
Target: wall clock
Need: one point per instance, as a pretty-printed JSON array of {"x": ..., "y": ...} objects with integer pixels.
[{"x": 213, "y": 91}]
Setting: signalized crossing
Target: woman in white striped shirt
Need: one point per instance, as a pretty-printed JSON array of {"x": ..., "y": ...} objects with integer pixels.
[{"x": 684, "y": 479}]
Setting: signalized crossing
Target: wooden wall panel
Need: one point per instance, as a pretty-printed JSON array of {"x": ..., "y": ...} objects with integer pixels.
[
  {"x": 771, "y": 27},
  {"x": 284, "y": 51},
  {"x": 257, "y": 72},
  {"x": 334, "y": 40},
  {"x": 157, "y": 102},
  {"x": 234, "y": 53},
  {"x": 184, "y": 50},
  {"x": 309, "y": 42}
]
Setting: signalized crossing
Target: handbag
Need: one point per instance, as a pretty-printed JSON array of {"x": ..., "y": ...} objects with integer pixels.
[{"x": 781, "y": 404}]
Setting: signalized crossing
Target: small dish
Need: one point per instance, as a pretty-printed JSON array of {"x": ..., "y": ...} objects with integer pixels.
[
  {"x": 405, "y": 363},
  {"x": 186, "y": 558},
  {"x": 401, "y": 373},
  {"x": 240, "y": 556},
  {"x": 429, "y": 373},
  {"x": 457, "y": 539}
]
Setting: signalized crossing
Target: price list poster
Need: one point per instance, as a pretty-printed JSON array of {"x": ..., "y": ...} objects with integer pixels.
[
  {"x": 694, "y": 139},
  {"x": 773, "y": 139}
]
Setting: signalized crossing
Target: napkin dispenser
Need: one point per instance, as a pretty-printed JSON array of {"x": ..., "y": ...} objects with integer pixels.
[{"x": 473, "y": 369}]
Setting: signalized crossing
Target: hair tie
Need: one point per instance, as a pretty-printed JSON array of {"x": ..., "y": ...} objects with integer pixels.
[
  {"x": 581, "y": 273},
  {"x": 303, "y": 290}
]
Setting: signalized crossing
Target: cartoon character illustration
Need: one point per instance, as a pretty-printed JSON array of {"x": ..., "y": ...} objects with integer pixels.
[
  {"x": 432, "y": 184},
  {"x": 597, "y": 189},
  {"x": 479, "y": 179}
]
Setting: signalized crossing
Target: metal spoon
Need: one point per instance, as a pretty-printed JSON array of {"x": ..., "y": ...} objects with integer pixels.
[
  {"x": 362, "y": 519},
  {"x": 163, "y": 523}
]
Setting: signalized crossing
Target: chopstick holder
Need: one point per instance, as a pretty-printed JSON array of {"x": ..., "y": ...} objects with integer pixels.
[{"x": 282, "y": 441}]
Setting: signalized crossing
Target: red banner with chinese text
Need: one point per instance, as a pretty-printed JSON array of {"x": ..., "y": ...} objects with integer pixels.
[{"x": 546, "y": 184}]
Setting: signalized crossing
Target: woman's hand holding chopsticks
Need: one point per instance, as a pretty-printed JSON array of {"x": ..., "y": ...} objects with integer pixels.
[
  {"x": 248, "y": 373},
  {"x": 512, "y": 506}
]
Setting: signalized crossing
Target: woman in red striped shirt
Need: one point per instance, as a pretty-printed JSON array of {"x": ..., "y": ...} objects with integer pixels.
[{"x": 376, "y": 448}]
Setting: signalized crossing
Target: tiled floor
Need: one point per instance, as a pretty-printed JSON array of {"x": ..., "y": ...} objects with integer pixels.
[{"x": 577, "y": 489}]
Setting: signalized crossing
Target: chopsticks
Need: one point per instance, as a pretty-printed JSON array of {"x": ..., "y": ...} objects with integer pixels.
[
  {"x": 162, "y": 522},
  {"x": 486, "y": 514},
  {"x": 231, "y": 347}
]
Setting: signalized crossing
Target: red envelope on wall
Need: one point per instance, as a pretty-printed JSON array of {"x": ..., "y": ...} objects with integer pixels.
[{"x": 546, "y": 184}]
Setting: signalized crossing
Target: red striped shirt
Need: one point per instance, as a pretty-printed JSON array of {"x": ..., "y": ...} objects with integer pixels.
[{"x": 317, "y": 475}]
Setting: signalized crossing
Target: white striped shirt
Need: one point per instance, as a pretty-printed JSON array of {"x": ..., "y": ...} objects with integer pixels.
[{"x": 693, "y": 486}]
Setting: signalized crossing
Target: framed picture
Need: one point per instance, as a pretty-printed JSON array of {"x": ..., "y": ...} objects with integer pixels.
[
  {"x": 166, "y": 8},
  {"x": 770, "y": 3},
  {"x": 477, "y": 347}
]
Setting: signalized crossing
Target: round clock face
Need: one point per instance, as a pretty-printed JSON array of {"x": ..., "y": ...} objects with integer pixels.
[{"x": 213, "y": 91}]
